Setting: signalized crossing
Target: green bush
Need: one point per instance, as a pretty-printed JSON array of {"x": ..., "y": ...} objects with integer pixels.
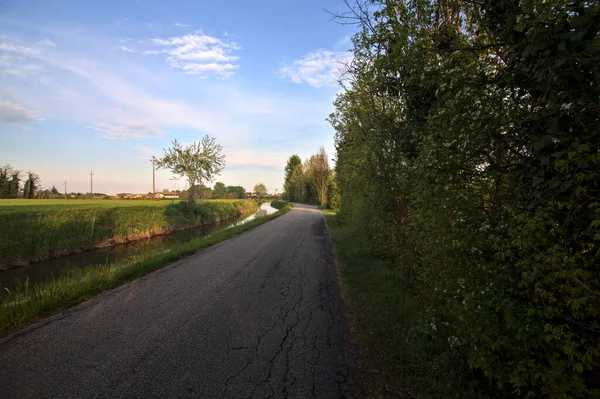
[{"x": 468, "y": 155}]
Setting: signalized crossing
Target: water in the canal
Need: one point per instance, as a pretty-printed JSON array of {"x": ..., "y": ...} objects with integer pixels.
[{"x": 53, "y": 268}]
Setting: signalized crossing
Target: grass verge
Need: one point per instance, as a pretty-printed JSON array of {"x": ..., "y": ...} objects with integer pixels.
[
  {"x": 278, "y": 204},
  {"x": 28, "y": 304},
  {"x": 382, "y": 315}
]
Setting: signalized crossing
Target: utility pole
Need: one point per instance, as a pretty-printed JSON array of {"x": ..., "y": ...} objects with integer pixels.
[
  {"x": 91, "y": 184},
  {"x": 153, "y": 180},
  {"x": 65, "y": 189}
]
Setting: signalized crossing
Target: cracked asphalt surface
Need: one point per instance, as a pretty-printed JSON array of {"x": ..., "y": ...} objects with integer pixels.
[{"x": 257, "y": 316}]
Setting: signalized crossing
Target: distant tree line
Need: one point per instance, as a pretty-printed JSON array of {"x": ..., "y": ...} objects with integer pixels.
[
  {"x": 10, "y": 183},
  {"x": 311, "y": 182},
  {"x": 219, "y": 191}
]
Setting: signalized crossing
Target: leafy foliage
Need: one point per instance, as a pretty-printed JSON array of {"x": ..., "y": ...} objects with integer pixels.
[
  {"x": 219, "y": 190},
  {"x": 234, "y": 192},
  {"x": 9, "y": 182},
  {"x": 198, "y": 162},
  {"x": 260, "y": 190},
  {"x": 308, "y": 182},
  {"x": 468, "y": 154},
  {"x": 291, "y": 177}
]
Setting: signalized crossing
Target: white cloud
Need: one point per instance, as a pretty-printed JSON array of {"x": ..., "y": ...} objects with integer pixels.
[
  {"x": 143, "y": 110},
  {"x": 319, "y": 68},
  {"x": 195, "y": 53},
  {"x": 127, "y": 131},
  {"x": 13, "y": 114},
  {"x": 180, "y": 25}
]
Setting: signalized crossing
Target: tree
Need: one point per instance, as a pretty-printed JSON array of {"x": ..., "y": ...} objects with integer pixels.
[
  {"x": 333, "y": 195},
  {"x": 219, "y": 190},
  {"x": 239, "y": 191},
  {"x": 321, "y": 174},
  {"x": 260, "y": 190},
  {"x": 204, "y": 192},
  {"x": 292, "y": 162},
  {"x": 10, "y": 179},
  {"x": 32, "y": 185},
  {"x": 198, "y": 162},
  {"x": 297, "y": 183}
]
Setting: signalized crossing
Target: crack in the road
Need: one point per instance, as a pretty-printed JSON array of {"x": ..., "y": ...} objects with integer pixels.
[{"x": 299, "y": 307}]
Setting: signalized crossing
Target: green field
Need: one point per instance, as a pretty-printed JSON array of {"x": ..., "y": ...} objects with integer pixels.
[
  {"x": 18, "y": 205},
  {"x": 35, "y": 230}
]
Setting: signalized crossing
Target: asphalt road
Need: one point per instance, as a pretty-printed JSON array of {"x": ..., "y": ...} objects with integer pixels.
[{"x": 256, "y": 316}]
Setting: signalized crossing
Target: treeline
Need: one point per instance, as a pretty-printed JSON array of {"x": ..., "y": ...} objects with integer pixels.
[
  {"x": 468, "y": 154},
  {"x": 311, "y": 182},
  {"x": 219, "y": 191},
  {"x": 12, "y": 184}
]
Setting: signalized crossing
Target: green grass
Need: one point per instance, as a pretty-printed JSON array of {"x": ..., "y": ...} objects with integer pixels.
[
  {"x": 28, "y": 304},
  {"x": 24, "y": 205},
  {"x": 278, "y": 204},
  {"x": 394, "y": 357},
  {"x": 30, "y": 233}
]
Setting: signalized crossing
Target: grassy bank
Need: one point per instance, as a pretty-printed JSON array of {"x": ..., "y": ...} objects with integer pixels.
[
  {"x": 34, "y": 231},
  {"x": 28, "y": 304},
  {"x": 397, "y": 359},
  {"x": 278, "y": 204}
]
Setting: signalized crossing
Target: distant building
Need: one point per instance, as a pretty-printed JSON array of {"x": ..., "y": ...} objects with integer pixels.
[{"x": 165, "y": 195}]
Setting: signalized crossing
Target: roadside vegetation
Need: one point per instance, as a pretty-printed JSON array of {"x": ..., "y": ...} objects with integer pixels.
[
  {"x": 468, "y": 172},
  {"x": 44, "y": 229},
  {"x": 394, "y": 357},
  {"x": 278, "y": 204},
  {"x": 28, "y": 303},
  {"x": 311, "y": 182}
]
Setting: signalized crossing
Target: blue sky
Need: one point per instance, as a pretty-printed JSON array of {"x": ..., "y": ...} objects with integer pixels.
[{"x": 103, "y": 85}]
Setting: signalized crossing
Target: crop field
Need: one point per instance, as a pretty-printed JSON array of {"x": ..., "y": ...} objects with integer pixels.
[{"x": 19, "y": 205}]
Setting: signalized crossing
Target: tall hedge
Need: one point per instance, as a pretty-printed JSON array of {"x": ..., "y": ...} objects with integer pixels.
[{"x": 468, "y": 152}]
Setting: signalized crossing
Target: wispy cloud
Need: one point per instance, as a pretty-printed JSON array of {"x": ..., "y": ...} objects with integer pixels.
[
  {"x": 144, "y": 52},
  {"x": 146, "y": 114},
  {"x": 318, "y": 68},
  {"x": 180, "y": 25},
  {"x": 126, "y": 131},
  {"x": 13, "y": 114},
  {"x": 196, "y": 53},
  {"x": 14, "y": 65}
]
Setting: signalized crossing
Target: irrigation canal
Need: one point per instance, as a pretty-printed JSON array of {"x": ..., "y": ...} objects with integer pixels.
[{"x": 40, "y": 272}]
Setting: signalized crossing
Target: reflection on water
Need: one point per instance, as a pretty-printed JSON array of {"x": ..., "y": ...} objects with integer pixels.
[{"x": 47, "y": 270}]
